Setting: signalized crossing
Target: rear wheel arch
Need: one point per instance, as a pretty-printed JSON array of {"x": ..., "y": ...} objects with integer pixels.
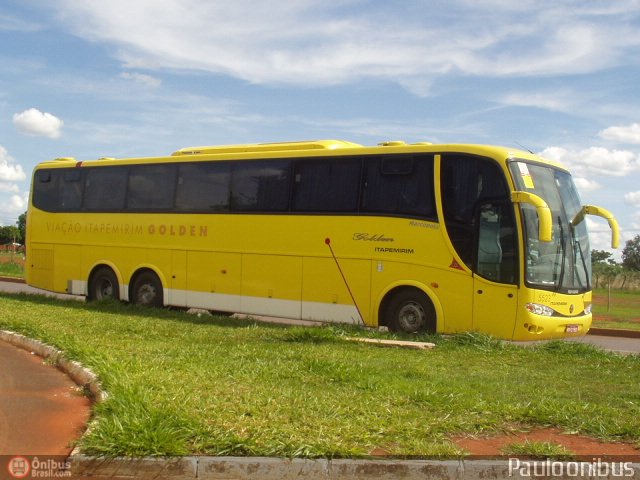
[
  {"x": 146, "y": 287},
  {"x": 103, "y": 283},
  {"x": 408, "y": 301}
]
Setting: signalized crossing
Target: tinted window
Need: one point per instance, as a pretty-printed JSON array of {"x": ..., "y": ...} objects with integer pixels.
[
  {"x": 203, "y": 187},
  {"x": 401, "y": 185},
  {"x": 105, "y": 188},
  {"x": 260, "y": 186},
  {"x": 71, "y": 187},
  {"x": 45, "y": 190},
  {"x": 327, "y": 185},
  {"x": 151, "y": 187},
  {"x": 467, "y": 181}
]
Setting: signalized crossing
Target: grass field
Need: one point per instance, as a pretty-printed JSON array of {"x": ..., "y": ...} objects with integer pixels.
[
  {"x": 12, "y": 264},
  {"x": 624, "y": 309},
  {"x": 186, "y": 384}
]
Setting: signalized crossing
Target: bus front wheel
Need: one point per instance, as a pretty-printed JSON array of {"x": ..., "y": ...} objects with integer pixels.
[
  {"x": 147, "y": 290},
  {"x": 103, "y": 285},
  {"x": 411, "y": 311}
]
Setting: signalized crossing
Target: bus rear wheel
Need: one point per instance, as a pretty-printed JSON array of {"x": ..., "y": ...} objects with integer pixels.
[
  {"x": 147, "y": 290},
  {"x": 411, "y": 311},
  {"x": 103, "y": 285}
]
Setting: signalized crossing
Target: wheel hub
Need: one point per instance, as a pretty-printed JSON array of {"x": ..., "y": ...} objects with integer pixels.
[
  {"x": 105, "y": 290},
  {"x": 412, "y": 316},
  {"x": 146, "y": 295}
]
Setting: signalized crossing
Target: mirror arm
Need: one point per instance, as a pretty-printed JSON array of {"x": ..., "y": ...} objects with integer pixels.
[
  {"x": 545, "y": 221},
  {"x": 600, "y": 212}
]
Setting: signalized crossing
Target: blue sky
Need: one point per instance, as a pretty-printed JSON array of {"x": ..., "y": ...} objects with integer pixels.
[{"x": 91, "y": 78}]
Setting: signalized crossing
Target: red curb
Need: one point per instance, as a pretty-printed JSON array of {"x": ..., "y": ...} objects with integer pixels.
[
  {"x": 12, "y": 279},
  {"x": 614, "y": 332}
]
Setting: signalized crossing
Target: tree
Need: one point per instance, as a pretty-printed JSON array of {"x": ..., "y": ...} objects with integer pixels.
[
  {"x": 22, "y": 227},
  {"x": 631, "y": 254},
  {"x": 600, "y": 257},
  {"x": 9, "y": 235},
  {"x": 605, "y": 268}
]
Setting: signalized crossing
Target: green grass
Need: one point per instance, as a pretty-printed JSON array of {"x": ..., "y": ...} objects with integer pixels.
[
  {"x": 12, "y": 264},
  {"x": 11, "y": 270},
  {"x": 186, "y": 384},
  {"x": 624, "y": 309}
]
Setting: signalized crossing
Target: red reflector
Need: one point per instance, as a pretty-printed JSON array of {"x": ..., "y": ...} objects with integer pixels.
[{"x": 455, "y": 264}]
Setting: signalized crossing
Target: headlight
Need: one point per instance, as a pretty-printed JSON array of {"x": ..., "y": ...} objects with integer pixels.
[
  {"x": 539, "y": 309},
  {"x": 587, "y": 308}
]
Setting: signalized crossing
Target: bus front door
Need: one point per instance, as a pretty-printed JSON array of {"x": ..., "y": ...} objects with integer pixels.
[{"x": 495, "y": 292}]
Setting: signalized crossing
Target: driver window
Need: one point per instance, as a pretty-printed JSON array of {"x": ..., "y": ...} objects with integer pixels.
[
  {"x": 496, "y": 246},
  {"x": 466, "y": 181}
]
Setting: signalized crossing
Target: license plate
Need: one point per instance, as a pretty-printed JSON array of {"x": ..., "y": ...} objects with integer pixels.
[{"x": 572, "y": 329}]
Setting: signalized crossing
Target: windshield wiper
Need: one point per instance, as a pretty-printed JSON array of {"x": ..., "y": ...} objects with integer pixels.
[{"x": 578, "y": 250}]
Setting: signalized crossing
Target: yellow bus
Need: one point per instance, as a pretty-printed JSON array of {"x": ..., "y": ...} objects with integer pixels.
[{"x": 414, "y": 237}]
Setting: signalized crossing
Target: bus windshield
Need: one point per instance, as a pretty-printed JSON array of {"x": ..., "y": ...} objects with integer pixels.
[{"x": 564, "y": 264}]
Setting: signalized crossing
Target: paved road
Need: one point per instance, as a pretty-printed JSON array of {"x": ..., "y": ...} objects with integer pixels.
[
  {"x": 616, "y": 344},
  {"x": 20, "y": 287}
]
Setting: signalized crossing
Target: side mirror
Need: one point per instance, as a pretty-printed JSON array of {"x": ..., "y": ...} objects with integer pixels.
[
  {"x": 545, "y": 221},
  {"x": 600, "y": 212}
]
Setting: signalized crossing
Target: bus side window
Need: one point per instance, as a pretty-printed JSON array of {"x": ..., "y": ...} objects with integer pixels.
[
  {"x": 151, "y": 187},
  {"x": 400, "y": 185},
  {"x": 105, "y": 189},
  {"x": 326, "y": 185},
  {"x": 260, "y": 186},
  {"x": 71, "y": 190},
  {"x": 204, "y": 187},
  {"x": 45, "y": 190}
]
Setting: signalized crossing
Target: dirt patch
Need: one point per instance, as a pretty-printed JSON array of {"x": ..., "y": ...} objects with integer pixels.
[{"x": 583, "y": 447}]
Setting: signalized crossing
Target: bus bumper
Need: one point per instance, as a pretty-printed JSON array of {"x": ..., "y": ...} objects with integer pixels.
[{"x": 540, "y": 327}]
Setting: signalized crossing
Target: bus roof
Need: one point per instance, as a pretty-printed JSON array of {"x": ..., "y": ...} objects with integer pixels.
[
  {"x": 268, "y": 147},
  {"x": 315, "y": 148}
]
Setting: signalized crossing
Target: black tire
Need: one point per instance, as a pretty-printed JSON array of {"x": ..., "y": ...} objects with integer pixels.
[
  {"x": 411, "y": 311},
  {"x": 103, "y": 285},
  {"x": 147, "y": 290}
]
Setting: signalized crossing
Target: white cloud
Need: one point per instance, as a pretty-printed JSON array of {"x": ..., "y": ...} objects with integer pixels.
[
  {"x": 312, "y": 42},
  {"x": 632, "y": 198},
  {"x": 9, "y": 188},
  {"x": 34, "y": 122},
  {"x": 13, "y": 204},
  {"x": 142, "y": 79},
  {"x": 16, "y": 204},
  {"x": 623, "y": 134},
  {"x": 595, "y": 161},
  {"x": 9, "y": 170},
  {"x": 599, "y": 233},
  {"x": 555, "y": 101},
  {"x": 585, "y": 185}
]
